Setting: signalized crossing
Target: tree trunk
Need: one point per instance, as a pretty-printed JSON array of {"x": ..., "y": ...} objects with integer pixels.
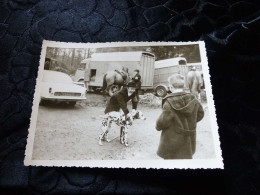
[{"x": 72, "y": 59}]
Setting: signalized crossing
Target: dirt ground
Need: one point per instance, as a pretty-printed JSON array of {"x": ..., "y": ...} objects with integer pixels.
[{"x": 71, "y": 133}]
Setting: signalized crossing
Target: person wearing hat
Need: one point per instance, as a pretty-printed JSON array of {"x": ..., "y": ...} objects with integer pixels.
[
  {"x": 136, "y": 80},
  {"x": 180, "y": 113}
]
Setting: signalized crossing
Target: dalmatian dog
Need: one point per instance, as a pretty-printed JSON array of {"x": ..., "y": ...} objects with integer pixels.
[
  {"x": 137, "y": 114},
  {"x": 120, "y": 120}
]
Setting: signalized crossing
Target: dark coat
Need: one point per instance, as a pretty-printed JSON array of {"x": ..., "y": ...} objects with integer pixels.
[
  {"x": 178, "y": 121},
  {"x": 119, "y": 101},
  {"x": 137, "y": 80}
]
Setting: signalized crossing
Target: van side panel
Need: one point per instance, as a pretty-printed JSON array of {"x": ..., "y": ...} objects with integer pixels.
[
  {"x": 161, "y": 75},
  {"x": 147, "y": 70}
]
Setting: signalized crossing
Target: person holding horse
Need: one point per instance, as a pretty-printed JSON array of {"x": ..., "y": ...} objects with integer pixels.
[
  {"x": 136, "y": 81},
  {"x": 178, "y": 121}
]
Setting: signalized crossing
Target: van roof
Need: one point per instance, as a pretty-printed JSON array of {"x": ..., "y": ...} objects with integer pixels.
[
  {"x": 169, "y": 62},
  {"x": 118, "y": 56}
]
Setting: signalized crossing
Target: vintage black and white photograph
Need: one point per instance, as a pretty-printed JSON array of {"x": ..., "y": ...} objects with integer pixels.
[{"x": 128, "y": 104}]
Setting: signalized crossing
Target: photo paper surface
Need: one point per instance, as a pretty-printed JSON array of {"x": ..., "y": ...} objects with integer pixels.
[{"x": 124, "y": 105}]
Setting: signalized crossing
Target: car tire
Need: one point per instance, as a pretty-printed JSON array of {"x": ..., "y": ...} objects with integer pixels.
[
  {"x": 95, "y": 90},
  {"x": 43, "y": 102},
  {"x": 161, "y": 91},
  {"x": 72, "y": 103}
]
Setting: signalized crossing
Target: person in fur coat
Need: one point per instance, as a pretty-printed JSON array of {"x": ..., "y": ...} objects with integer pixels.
[{"x": 178, "y": 121}]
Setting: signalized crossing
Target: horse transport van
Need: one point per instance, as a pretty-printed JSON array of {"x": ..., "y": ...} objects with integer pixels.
[
  {"x": 92, "y": 70},
  {"x": 165, "y": 68}
]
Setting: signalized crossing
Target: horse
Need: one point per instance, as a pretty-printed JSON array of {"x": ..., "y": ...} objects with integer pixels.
[
  {"x": 113, "y": 79},
  {"x": 195, "y": 82}
]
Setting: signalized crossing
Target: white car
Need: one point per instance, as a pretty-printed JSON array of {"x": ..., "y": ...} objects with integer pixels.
[{"x": 59, "y": 87}]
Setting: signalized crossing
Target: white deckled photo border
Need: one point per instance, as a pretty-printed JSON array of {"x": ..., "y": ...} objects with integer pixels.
[{"x": 214, "y": 163}]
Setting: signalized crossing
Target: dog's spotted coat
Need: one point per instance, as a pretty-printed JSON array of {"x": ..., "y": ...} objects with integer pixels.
[{"x": 120, "y": 120}]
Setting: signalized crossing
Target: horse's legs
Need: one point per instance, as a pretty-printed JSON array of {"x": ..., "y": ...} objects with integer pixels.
[
  {"x": 196, "y": 94},
  {"x": 190, "y": 85},
  {"x": 106, "y": 91},
  {"x": 108, "y": 88}
]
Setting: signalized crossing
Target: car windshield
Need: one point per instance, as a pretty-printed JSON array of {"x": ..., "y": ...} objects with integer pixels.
[
  {"x": 56, "y": 77},
  {"x": 80, "y": 84}
]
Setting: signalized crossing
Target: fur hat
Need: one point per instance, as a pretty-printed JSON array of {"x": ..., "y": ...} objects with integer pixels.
[{"x": 176, "y": 80}]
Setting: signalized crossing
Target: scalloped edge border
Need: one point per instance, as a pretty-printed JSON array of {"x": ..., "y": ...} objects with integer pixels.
[{"x": 216, "y": 163}]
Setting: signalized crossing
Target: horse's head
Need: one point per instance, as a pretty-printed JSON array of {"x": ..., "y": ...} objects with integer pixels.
[
  {"x": 127, "y": 76},
  {"x": 125, "y": 69}
]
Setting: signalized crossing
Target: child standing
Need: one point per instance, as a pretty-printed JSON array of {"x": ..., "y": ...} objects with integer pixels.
[{"x": 178, "y": 121}]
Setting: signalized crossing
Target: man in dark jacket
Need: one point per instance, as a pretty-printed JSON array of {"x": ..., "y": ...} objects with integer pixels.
[
  {"x": 137, "y": 79},
  {"x": 178, "y": 121},
  {"x": 137, "y": 83},
  {"x": 119, "y": 101}
]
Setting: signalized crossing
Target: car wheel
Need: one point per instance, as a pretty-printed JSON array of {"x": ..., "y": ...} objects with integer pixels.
[
  {"x": 43, "y": 102},
  {"x": 98, "y": 90},
  {"x": 160, "y": 91},
  {"x": 94, "y": 89},
  {"x": 72, "y": 103}
]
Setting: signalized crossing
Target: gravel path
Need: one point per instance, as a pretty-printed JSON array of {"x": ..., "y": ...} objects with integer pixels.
[{"x": 71, "y": 133}]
